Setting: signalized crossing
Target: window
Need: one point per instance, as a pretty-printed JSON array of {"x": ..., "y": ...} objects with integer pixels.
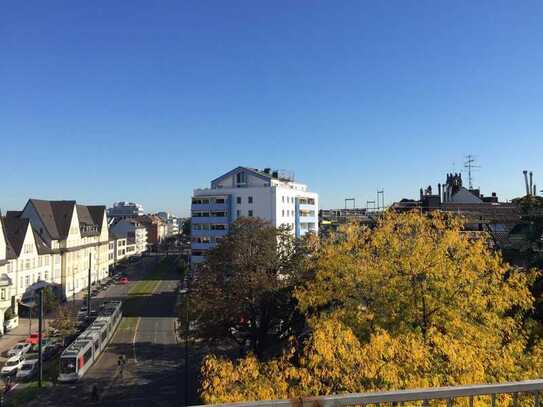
[
  {"x": 250, "y": 199},
  {"x": 87, "y": 356},
  {"x": 3, "y": 294},
  {"x": 238, "y": 200},
  {"x": 250, "y": 213},
  {"x": 67, "y": 365},
  {"x": 219, "y": 200},
  {"x": 241, "y": 178},
  {"x": 283, "y": 212},
  {"x": 238, "y": 213},
  {"x": 27, "y": 281},
  {"x": 283, "y": 199},
  {"x": 27, "y": 264},
  {"x": 218, "y": 227}
]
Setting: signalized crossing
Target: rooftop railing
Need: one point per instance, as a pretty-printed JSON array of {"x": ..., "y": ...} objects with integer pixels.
[{"x": 421, "y": 397}]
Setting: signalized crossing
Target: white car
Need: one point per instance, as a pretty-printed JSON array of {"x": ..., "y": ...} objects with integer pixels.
[
  {"x": 27, "y": 369},
  {"x": 20, "y": 349},
  {"x": 12, "y": 365}
]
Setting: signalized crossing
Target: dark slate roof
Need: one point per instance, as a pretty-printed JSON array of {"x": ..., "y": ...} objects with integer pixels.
[
  {"x": 41, "y": 246},
  {"x": 97, "y": 212},
  {"x": 15, "y": 230},
  {"x": 55, "y": 215}
]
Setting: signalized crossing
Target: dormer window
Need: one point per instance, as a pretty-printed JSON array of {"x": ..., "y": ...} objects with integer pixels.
[{"x": 241, "y": 178}]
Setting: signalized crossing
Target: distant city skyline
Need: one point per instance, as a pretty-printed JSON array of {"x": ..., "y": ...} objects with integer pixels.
[{"x": 144, "y": 102}]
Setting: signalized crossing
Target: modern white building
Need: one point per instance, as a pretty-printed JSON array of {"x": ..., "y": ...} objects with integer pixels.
[
  {"x": 247, "y": 192},
  {"x": 133, "y": 231},
  {"x": 125, "y": 210}
]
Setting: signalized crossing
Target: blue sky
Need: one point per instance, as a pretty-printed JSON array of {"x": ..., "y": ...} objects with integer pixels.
[{"x": 103, "y": 101}]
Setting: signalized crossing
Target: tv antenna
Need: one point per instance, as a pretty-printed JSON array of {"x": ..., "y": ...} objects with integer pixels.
[{"x": 471, "y": 165}]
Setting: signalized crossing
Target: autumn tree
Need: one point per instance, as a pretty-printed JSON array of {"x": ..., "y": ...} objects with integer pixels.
[
  {"x": 414, "y": 302},
  {"x": 243, "y": 292},
  {"x": 65, "y": 321}
]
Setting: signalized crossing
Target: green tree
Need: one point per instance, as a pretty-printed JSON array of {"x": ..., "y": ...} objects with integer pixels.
[
  {"x": 243, "y": 292},
  {"x": 414, "y": 302}
]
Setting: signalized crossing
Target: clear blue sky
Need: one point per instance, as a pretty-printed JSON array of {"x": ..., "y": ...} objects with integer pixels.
[{"x": 144, "y": 101}]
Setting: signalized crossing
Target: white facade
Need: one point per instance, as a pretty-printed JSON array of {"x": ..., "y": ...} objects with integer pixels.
[
  {"x": 133, "y": 232},
  {"x": 77, "y": 235},
  {"x": 245, "y": 192}
]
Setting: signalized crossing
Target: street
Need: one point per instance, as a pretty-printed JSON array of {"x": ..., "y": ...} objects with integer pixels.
[{"x": 146, "y": 336}]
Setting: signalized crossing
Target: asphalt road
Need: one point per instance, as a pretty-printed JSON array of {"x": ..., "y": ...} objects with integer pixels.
[{"x": 154, "y": 375}]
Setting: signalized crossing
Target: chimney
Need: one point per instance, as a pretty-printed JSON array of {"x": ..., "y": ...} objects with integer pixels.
[
  {"x": 531, "y": 183},
  {"x": 493, "y": 194},
  {"x": 267, "y": 170},
  {"x": 535, "y": 190},
  {"x": 526, "y": 182},
  {"x": 421, "y": 193},
  {"x": 275, "y": 174},
  {"x": 439, "y": 190}
]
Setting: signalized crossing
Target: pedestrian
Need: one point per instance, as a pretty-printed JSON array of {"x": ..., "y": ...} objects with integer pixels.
[
  {"x": 94, "y": 395},
  {"x": 121, "y": 366}
]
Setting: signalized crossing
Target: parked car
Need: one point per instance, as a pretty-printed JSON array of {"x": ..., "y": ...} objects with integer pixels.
[
  {"x": 33, "y": 338},
  {"x": 12, "y": 365},
  {"x": 19, "y": 349},
  {"x": 44, "y": 343},
  {"x": 28, "y": 369},
  {"x": 123, "y": 280}
]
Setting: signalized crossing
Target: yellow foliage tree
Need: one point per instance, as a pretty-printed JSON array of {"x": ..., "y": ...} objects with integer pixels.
[{"x": 414, "y": 302}]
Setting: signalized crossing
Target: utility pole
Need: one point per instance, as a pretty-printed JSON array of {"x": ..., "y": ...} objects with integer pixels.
[
  {"x": 89, "y": 288},
  {"x": 40, "y": 340},
  {"x": 187, "y": 327}
]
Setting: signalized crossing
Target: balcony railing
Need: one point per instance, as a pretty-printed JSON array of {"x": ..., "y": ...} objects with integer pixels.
[{"x": 530, "y": 388}]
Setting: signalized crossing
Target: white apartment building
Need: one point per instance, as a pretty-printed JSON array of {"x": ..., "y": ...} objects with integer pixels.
[
  {"x": 246, "y": 192},
  {"x": 125, "y": 210},
  {"x": 77, "y": 236},
  {"x": 134, "y": 232}
]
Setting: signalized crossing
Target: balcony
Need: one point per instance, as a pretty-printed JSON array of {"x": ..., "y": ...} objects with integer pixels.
[
  {"x": 416, "y": 397},
  {"x": 198, "y": 233},
  {"x": 210, "y": 207},
  {"x": 202, "y": 246},
  {"x": 210, "y": 219}
]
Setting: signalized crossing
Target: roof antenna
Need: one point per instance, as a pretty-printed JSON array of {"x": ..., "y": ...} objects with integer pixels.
[{"x": 471, "y": 165}]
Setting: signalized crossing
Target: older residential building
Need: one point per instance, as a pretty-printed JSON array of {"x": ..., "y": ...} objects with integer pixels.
[
  {"x": 125, "y": 210},
  {"x": 77, "y": 234},
  {"x": 156, "y": 228},
  {"x": 134, "y": 232},
  {"x": 247, "y": 192}
]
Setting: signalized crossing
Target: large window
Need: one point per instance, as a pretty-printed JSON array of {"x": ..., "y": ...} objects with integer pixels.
[
  {"x": 250, "y": 213},
  {"x": 238, "y": 200},
  {"x": 250, "y": 199}
]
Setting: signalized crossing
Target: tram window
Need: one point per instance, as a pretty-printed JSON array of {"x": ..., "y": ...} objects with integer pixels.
[
  {"x": 87, "y": 355},
  {"x": 67, "y": 365},
  {"x": 104, "y": 335}
]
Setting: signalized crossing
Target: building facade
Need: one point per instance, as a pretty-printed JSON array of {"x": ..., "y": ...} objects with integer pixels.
[
  {"x": 156, "y": 228},
  {"x": 247, "y": 192},
  {"x": 77, "y": 235},
  {"x": 125, "y": 210},
  {"x": 134, "y": 232}
]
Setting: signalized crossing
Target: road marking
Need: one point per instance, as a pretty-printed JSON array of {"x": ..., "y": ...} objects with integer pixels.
[
  {"x": 134, "y": 340},
  {"x": 138, "y": 324}
]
